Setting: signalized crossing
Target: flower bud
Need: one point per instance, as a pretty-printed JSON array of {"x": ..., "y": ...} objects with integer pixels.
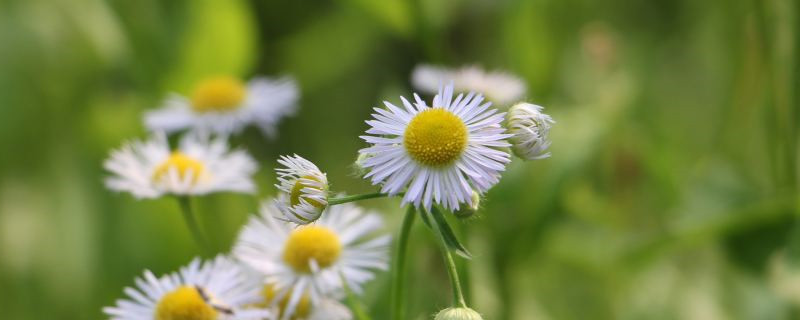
[
  {"x": 470, "y": 210},
  {"x": 304, "y": 190},
  {"x": 530, "y": 128},
  {"x": 358, "y": 165},
  {"x": 458, "y": 314}
]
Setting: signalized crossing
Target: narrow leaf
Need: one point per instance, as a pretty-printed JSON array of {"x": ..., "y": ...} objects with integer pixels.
[
  {"x": 448, "y": 234},
  {"x": 425, "y": 218}
]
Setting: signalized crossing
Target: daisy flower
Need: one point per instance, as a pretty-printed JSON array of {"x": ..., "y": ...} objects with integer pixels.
[
  {"x": 226, "y": 105},
  {"x": 213, "y": 290},
  {"x": 310, "y": 262},
  {"x": 530, "y": 127},
  {"x": 304, "y": 190},
  {"x": 500, "y": 87},
  {"x": 440, "y": 153},
  {"x": 149, "y": 169}
]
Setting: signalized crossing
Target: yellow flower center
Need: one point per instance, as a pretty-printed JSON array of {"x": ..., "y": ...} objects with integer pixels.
[
  {"x": 301, "y": 311},
  {"x": 183, "y": 164},
  {"x": 218, "y": 95},
  {"x": 297, "y": 193},
  {"x": 435, "y": 137},
  {"x": 184, "y": 303},
  {"x": 311, "y": 242}
]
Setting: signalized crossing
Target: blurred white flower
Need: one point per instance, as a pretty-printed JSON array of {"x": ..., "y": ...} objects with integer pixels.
[
  {"x": 149, "y": 169},
  {"x": 214, "y": 290},
  {"x": 440, "y": 153},
  {"x": 226, "y": 105},
  {"x": 326, "y": 308},
  {"x": 531, "y": 128},
  {"x": 784, "y": 278},
  {"x": 304, "y": 190},
  {"x": 499, "y": 87},
  {"x": 309, "y": 263}
]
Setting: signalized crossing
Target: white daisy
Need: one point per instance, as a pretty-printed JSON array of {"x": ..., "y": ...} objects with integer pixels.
[
  {"x": 312, "y": 260},
  {"x": 225, "y": 105},
  {"x": 500, "y": 87},
  {"x": 440, "y": 153},
  {"x": 213, "y": 290},
  {"x": 530, "y": 127},
  {"x": 304, "y": 189},
  {"x": 149, "y": 169}
]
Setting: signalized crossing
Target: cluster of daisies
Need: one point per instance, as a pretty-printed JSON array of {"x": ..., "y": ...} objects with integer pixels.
[{"x": 309, "y": 247}]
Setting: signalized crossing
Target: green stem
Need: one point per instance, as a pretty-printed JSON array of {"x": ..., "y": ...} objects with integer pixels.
[
  {"x": 346, "y": 199},
  {"x": 188, "y": 215},
  {"x": 398, "y": 294},
  {"x": 452, "y": 271}
]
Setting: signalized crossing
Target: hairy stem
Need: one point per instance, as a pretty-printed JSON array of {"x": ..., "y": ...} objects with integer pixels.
[{"x": 346, "y": 199}]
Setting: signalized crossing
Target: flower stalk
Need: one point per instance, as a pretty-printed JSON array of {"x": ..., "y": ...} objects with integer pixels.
[
  {"x": 398, "y": 294},
  {"x": 357, "y": 197},
  {"x": 194, "y": 228},
  {"x": 452, "y": 270}
]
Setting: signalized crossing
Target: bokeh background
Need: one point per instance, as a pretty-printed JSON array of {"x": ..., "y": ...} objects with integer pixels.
[{"x": 671, "y": 192}]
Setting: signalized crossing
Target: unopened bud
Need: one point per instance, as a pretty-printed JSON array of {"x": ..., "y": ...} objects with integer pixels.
[
  {"x": 358, "y": 165},
  {"x": 530, "y": 128},
  {"x": 470, "y": 210},
  {"x": 458, "y": 314}
]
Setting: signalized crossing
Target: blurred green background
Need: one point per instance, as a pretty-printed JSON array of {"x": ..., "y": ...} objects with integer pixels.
[{"x": 671, "y": 193}]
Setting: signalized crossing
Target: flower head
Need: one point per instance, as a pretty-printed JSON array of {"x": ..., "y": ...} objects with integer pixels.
[
  {"x": 213, "y": 290},
  {"x": 530, "y": 127},
  {"x": 304, "y": 190},
  {"x": 500, "y": 87},
  {"x": 440, "y": 153},
  {"x": 149, "y": 169},
  {"x": 310, "y": 262},
  {"x": 461, "y": 313},
  {"x": 226, "y": 105}
]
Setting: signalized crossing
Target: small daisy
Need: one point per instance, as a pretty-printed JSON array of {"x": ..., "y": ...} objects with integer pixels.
[
  {"x": 214, "y": 290},
  {"x": 530, "y": 127},
  {"x": 312, "y": 260},
  {"x": 500, "y": 87},
  {"x": 225, "y": 105},
  {"x": 304, "y": 189},
  {"x": 149, "y": 169},
  {"x": 439, "y": 153},
  {"x": 326, "y": 308}
]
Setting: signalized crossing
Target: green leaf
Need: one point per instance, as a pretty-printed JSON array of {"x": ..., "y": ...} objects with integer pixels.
[
  {"x": 447, "y": 233},
  {"x": 424, "y": 215}
]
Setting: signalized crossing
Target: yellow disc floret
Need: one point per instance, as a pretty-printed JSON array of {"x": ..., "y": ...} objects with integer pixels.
[
  {"x": 301, "y": 310},
  {"x": 297, "y": 192},
  {"x": 311, "y": 242},
  {"x": 435, "y": 137},
  {"x": 184, "y": 303},
  {"x": 183, "y": 164},
  {"x": 218, "y": 95}
]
